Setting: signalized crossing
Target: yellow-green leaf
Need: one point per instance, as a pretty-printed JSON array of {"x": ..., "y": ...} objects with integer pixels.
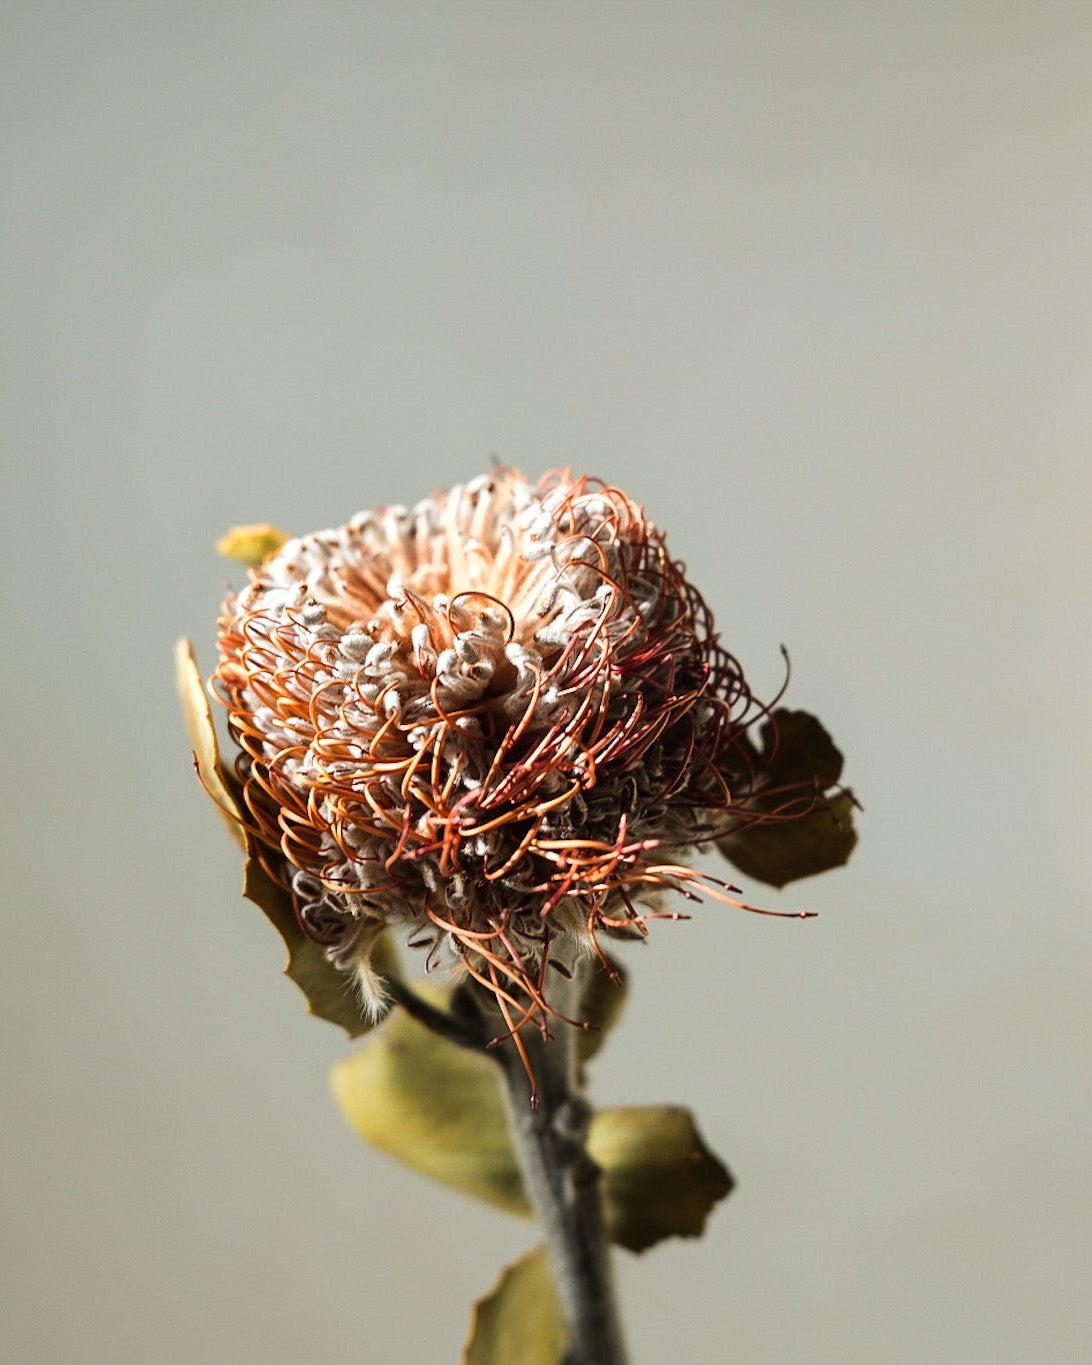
[
  {"x": 206, "y": 752},
  {"x": 659, "y": 1178},
  {"x": 331, "y": 993},
  {"x": 519, "y": 1322},
  {"x": 437, "y": 1108},
  {"x": 251, "y": 545}
]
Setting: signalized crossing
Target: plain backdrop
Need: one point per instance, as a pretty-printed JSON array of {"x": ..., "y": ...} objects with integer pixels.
[{"x": 810, "y": 280}]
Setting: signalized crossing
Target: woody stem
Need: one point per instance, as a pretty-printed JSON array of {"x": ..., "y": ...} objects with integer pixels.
[{"x": 549, "y": 1134}]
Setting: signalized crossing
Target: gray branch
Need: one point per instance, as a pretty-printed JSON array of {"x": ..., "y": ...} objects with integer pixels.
[{"x": 562, "y": 1183}]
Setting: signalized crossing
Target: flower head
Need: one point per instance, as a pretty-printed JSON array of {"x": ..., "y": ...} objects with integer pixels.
[{"x": 499, "y": 717}]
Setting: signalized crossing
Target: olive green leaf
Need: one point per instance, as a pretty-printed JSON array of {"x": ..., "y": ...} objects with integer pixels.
[
  {"x": 600, "y": 1006},
  {"x": 437, "y": 1108},
  {"x": 251, "y": 545},
  {"x": 520, "y": 1319},
  {"x": 206, "y": 752},
  {"x": 798, "y": 822},
  {"x": 659, "y": 1178},
  {"x": 330, "y": 992}
]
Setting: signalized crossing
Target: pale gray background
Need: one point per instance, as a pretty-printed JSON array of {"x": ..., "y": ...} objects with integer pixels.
[{"x": 813, "y": 282}]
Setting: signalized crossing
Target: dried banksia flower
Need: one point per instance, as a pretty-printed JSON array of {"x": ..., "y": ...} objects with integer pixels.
[{"x": 500, "y": 718}]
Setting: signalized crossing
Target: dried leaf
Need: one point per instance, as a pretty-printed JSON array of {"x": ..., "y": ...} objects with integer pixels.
[
  {"x": 659, "y": 1178},
  {"x": 783, "y": 853},
  {"x": 800, "y": 823},
  {"x": 206, "y": 753},
  {"x": 331, "y": 993},
  {"x": 797, "y": 748},
  {"x": 251, "y": 545},
  {"x": 519, "y": 1322}
]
